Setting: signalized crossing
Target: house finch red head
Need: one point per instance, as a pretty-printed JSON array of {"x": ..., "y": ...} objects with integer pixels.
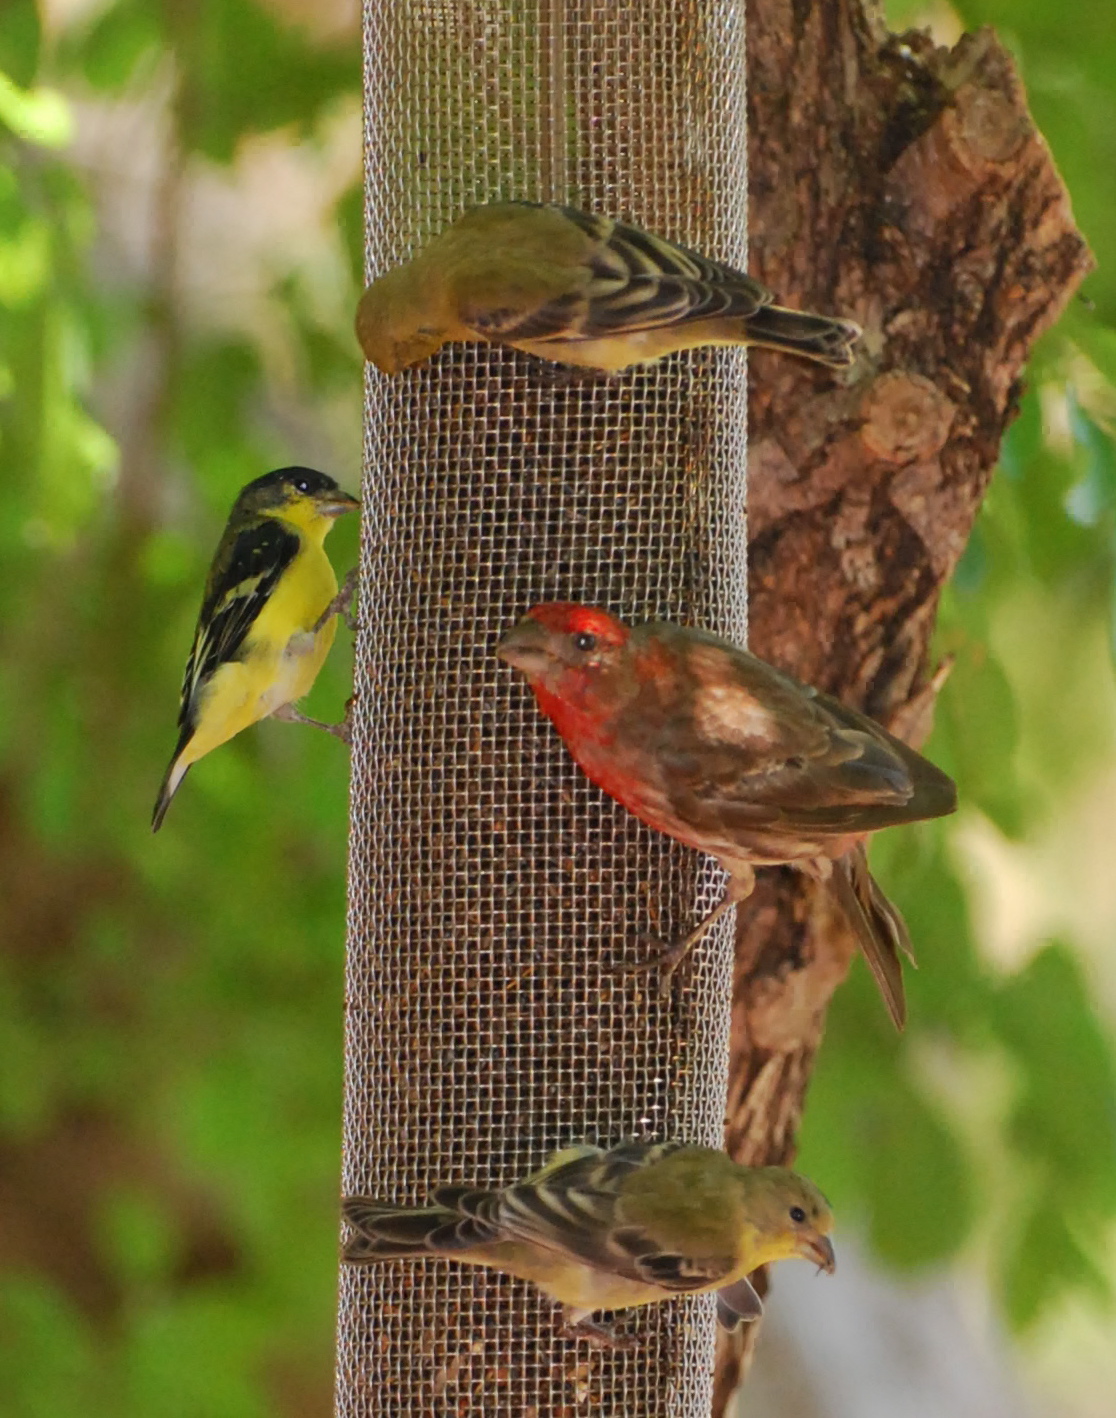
[
  {"x": 601, "y": 1230},
  {"x": 724, "y": 752},
  {"x": 578, "y": 289}
]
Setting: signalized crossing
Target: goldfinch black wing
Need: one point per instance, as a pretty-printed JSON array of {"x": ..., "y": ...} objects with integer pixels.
[
  {"x": 637, "y": 282},
  {"x": 245, "y": 571}
]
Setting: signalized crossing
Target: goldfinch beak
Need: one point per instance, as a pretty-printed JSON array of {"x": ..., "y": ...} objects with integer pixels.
[
  {"x": 819, "y": 1249},
  {"x": 336, "y": 504},
  {"x": 525, "y": 648}
]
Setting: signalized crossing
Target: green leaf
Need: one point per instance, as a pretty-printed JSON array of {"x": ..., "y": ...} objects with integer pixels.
[
  {"x": 121, "y": 37},
  {"x": 883, "y": 1153},
  {"x": 137, "y": 1237},
  {"x": 1045, "y": 1260},
  {"x": 20, "y": 41},
  {"x": 1065, "y": 1114},
  {"x": 40, "y": 116},
  {"x": 978, "y": 724},
  {"x": 951, "y": 987},
  {"x": 246, "y": 72},
  {"x": 350, "y": 222},
  {"x": 918, "y": 1182},
  {"x": 48, "y": 1357}
]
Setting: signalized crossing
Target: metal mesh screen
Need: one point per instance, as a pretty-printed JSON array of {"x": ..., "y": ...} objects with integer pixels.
[{"x": 493, "y": 890}]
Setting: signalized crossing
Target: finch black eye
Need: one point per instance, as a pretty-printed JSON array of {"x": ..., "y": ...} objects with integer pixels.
[
  {"x": 584, "y": 641},
  {"x": 797, "y": 1215},
  {"x": 302, "y": 484}
]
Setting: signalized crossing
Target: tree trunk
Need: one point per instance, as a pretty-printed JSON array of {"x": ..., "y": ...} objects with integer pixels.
[{"x": 905, "y": 185}]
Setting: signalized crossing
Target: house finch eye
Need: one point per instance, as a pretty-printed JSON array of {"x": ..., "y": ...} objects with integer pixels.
[{"x": 585, "y": 641}]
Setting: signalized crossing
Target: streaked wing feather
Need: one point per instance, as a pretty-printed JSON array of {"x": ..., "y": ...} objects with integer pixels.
[
  {"x": 637, "y": 281},
  {"x": 572, "y": 1208},
  {"x": 683, "y": 1273}
]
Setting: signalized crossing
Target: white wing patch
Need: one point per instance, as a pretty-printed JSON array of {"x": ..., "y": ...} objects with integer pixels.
[{"x": 729, "y": 713}]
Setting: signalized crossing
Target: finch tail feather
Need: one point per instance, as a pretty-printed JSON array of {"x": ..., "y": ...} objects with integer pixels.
[
  {"x": 880, "y": 929},
  {"x": 819, "y": 337},
  {"x": 172, "y": 781},
  {"x": 390, "y": 1232}
]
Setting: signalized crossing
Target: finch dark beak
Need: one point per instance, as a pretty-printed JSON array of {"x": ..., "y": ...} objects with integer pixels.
[
  {"x": 336, "y": 504},
  {"x": 525, "y": 648},
  {"x": 819, "y": 1249}
]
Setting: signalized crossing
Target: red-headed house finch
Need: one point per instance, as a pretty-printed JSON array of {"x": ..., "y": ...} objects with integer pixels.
[
  {"x": 578, "y": 289},
  {"x": 597, "y": 1230},
  {"x": 724, "y": 752}
]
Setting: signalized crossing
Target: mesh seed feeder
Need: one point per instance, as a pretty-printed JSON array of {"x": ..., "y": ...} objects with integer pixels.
[{"x": 493, "y": 891}]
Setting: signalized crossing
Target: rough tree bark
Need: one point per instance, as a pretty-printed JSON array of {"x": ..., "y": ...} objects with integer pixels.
[{"x": 904, "y": 184}]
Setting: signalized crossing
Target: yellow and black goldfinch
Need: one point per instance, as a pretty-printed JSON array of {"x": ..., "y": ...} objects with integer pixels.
[
  {"x": 268, "y": 618},
  {"x": 599, "y": 1230},
  {"x": 577, "y": 289}
]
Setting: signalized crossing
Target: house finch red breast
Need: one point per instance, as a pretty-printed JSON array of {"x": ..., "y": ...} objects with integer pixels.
[
  {"x": 724, "y": 752},
  {"x": 601, "y": 1230},
  {"x": 578, "y": 289}
]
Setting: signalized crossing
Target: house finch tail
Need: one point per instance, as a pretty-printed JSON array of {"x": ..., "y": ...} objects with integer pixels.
[{"x": 880, "y": 929}]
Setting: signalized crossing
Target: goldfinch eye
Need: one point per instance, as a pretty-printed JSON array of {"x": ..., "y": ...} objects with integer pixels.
[
  {"x": 797, "y": 1215},
  {"x": 302, "y": 484},
  {"x": 584, "y": 641}
]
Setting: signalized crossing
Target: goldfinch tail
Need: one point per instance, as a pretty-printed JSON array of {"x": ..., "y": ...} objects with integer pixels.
[
  {"x": 880, "y": 929},
  {"x": 385, "y": 1232},
  {"x": 172, "y": 781},
  {"x": 820, "y": 337}
]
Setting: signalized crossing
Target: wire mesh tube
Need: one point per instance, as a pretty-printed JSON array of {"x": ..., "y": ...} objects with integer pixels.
[{"x": 493, "y": 891}]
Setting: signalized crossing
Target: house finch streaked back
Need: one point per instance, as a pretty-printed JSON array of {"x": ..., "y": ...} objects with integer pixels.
[
  {"x": 724, "y": 752},
  {"x": 578, "y": 289},
  {"x": 609, "y": 1230}
]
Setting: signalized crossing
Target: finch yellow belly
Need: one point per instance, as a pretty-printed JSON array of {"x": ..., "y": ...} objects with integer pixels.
[{"x": 276, "y": 667}]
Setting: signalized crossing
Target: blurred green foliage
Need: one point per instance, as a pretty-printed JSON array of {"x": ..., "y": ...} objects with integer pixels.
[{"x": 170, "y": 1022}]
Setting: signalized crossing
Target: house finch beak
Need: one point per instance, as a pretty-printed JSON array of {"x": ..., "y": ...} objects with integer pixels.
[{"x": 722, "y": 751}]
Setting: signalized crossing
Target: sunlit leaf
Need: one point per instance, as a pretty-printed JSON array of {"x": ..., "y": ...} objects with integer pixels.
[
  {"x": 1044, "y": 1262},
  {"x": 1065, "y": 1115},
  {"x": 39, "y": 115}
]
